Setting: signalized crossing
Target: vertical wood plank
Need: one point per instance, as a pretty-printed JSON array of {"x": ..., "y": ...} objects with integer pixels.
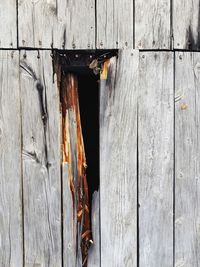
[
  {"x": 69, "y": 221},
  {"x": 187, "y": 160},
  {"x": 152, "y": 24},
  {"x": 114, "y": 24},
  {"x": 75, "y": 25},
  {"x": 155, "y": 146},
  {"x": 11, "y": 250},
  {"x": 118, "y": 163},
  {"x": 41, "y": 160},
  {"x": 186, "y": 23},
  {"x": 94, "y": 252},
  {"x": 8, "y": 29},
  {"x": 57, "y": 23}
]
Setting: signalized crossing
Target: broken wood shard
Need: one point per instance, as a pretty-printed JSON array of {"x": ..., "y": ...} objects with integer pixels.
[{"x": 73, "y": 154}]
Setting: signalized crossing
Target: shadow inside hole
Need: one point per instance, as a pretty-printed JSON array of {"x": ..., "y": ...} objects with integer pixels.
[{"x": 88, "y": 90}]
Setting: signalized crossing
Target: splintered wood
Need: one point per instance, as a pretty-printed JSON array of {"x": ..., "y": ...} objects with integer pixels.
[{"x": 73, "y": 154}]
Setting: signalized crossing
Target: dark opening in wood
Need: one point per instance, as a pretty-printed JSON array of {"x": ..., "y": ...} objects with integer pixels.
[
  {"x": 89, "y": 108},
  {"x": 78, "y": 74}
]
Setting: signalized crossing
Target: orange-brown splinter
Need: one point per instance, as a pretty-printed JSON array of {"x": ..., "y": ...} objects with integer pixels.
[{"x": 68, "y": 87}]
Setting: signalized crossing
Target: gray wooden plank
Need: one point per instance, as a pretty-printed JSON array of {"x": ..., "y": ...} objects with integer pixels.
[
  {"x": 57, "y": 23},
  {"x": 69, "y": 221},
  {"x": 114, "y": 24},
  {"x": 155, "y": 148},
  {"x": 75, "y": 27},
  {"x": 187, "y": 160},
  {"x": 186, "y": 23},
  {"x": 152, "y": 24},
  {"x": 41, "y": 160},
  {"x": 8, "y": 29},
  {"x": 11, "y": 250},
  {"x": 94, "y": 252},
  {"x": 118, "y": 161}
]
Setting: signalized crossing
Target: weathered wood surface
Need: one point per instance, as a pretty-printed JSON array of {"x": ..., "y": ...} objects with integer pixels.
[
  {"x": 187, "y": 160},
  {"x": 114, "y": 24},
  {"x": 56, "y": 23},
  {"x": 11, "y": 251},
  {"x": 155, "y": 146},
  {"x": 71, "y": 246},
  {"x": 69, "y": 221},
  {"x": 186, "y": 24},
  {"x": 94, "y": 252},
  {"x": 8, "y": 29},
  {"x": 41, "y": 160},
  {"x": 152, "y": 24},
  {"x": 118, "y": 173}
]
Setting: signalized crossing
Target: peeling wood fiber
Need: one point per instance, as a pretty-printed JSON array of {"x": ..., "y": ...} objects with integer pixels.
[{"x": 73, "y": 156}]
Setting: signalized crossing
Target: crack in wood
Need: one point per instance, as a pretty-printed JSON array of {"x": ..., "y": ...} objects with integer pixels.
[
  {"x": 43, "y": 107},
  {"x": 71, "y": 129}
]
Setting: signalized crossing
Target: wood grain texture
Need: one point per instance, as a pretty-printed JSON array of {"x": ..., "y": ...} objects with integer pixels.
[
  {"x": 94, "y": 252},
  {"x": 57, "y": 23},
  {"x": 114, "y": 24},
  {"x": 152, "y": 24},
  {"x": 71, "y": 247},
  {"x": 155, "y": 147},
  {"x": 186, "y": 23},
  {"x": 187, "y": 160},
  {"x": 8, "y": 29},
  {"x": 75, "y": 25},
  {"x": 41, "y": 160},
  {"x": 69, "y": 221},
  {"x": 11, "y": 251},
  {"x": 118, "y": 163}
]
